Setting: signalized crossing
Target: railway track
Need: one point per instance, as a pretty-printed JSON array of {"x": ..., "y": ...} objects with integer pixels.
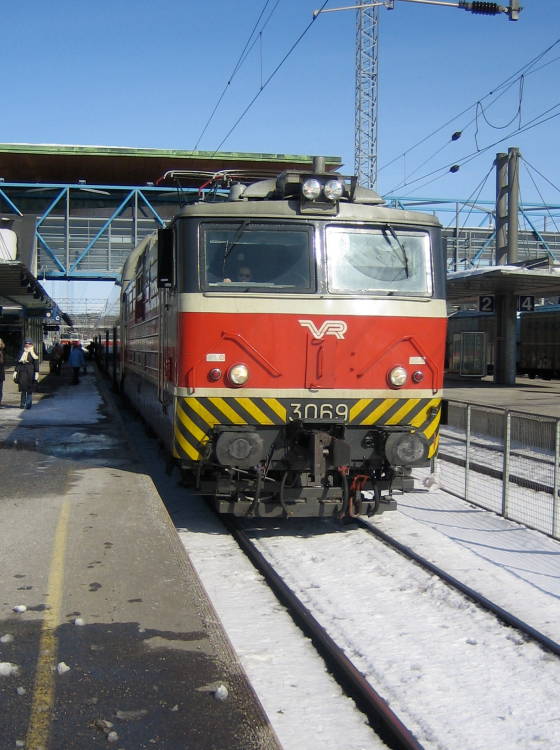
[
  {"x": 382, "y": 719},
  {"x": 503, "y": 615},
  {"x": 307, "y": 595}
]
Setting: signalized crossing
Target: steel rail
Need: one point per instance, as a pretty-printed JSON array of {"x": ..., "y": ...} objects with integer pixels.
[
  {"x": 502, "y": 614},
  {"x": 382, "y": 719}
]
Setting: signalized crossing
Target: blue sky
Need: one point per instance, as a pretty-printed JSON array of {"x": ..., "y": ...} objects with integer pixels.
[
  {"x": 144, "y": 74},
  {"x": 149, "y": 74}
]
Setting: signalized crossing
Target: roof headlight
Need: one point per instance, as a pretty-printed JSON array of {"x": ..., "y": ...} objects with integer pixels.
[
  {"x": 311, "y": 189},
  {"x": 238, "y": 375},
  {"x": 333, "y": 190},
  {"x": 397, "y": 377}
]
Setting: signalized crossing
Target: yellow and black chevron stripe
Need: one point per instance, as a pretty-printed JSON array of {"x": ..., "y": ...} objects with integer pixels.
[{"x": 196, "y": 417}]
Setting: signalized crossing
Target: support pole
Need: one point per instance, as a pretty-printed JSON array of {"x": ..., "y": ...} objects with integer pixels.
[
  {"x": 501, "y": 208},
  {"x": 513, "y": 204},
  {"x": 506, "y": 334},
  {"x": 507, "y": 194}
]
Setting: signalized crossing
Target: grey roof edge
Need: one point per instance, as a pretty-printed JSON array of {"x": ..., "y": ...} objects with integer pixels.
[{"x": 68, "y": 149}]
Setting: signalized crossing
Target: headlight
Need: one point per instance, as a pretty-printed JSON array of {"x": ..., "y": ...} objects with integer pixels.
[
  {"x": 406, "y": 449},
  {"x": 333, "y": 190},
  {"x": 238, "y": 374},
  {"x": 311, "y": 189},
  {"x": 397, "y": 377}
]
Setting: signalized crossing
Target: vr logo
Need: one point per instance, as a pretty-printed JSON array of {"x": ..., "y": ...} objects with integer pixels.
[{"x": 328, "y": 328}]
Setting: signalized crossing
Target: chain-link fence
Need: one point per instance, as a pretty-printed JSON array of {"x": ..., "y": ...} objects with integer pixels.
[{"x": 504, "y": 461}]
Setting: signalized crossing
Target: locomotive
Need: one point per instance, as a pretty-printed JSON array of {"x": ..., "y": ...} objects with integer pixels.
[{"x": 286, "y": 344}]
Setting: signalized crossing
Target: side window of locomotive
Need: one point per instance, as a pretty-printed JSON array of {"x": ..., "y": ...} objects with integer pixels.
[
  {"x": 382, "y": 260},
  {"x": 246, "y": 257}
]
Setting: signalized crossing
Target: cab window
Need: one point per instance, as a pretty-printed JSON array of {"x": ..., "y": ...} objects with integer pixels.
[{"x": 250, "y": 257}]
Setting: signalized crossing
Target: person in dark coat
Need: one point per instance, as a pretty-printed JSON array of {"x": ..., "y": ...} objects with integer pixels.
[
  {"x": 57, "y": 355},
  {"x": 26, "y": 373},
  {"x": 76, "y": 360},
  {"x": 2, "y": 369}
]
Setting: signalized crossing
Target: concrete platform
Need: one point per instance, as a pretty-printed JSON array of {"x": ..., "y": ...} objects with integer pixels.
[
  {"x": 107, "y": 637},
  {"x": 530, "y": 396}
]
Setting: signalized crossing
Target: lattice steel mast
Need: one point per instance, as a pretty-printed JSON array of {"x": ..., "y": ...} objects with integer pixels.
[{"x": 365, "y": 114}]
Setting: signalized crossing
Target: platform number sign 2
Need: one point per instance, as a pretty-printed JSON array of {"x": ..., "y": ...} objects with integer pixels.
[
  {"x": 525, "y": 303},
  {"x": 486, "y": 303}
]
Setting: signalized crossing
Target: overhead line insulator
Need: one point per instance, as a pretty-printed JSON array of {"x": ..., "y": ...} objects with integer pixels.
[{"x": 484, "y": 8}]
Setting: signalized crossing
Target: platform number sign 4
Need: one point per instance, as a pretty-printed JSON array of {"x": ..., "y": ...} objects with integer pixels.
[
  {"x": 486, "y": 303},
  {"x": 525, "y": 303}
]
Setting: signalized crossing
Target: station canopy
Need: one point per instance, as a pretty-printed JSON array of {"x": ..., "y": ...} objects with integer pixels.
[
  {"x": 542, "y": 281},
  {"x": 115, "y": 165}
]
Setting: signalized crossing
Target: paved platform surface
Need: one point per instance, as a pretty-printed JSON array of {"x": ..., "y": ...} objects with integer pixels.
[
  {"x": 531, "y": 396},
  {"x": 107, "y": 637}
]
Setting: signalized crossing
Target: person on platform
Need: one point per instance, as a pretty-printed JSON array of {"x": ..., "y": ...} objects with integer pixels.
[
  {"x": 2, "y": 368},
  {"x": 76, "y": 360},
  {"x": 26, "y": 373},
  {"x": 57, "y": 355}
]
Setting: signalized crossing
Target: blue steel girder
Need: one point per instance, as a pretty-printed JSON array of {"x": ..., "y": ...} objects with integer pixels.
[
  {"x": 152, "y": 209},
  {"x": 10, "y": 203},
  {"x": 64, "y": 192},
  {"x": 64, "y": 245},
  {"x": 103, "y": 229},
  {"x": 51, "y": 252},
  {"x": 117, "y": 212},
  {"x": 480, "y": 253},
  {"x": 539, "y": 235},
  {"x": 62, "y": 259}
]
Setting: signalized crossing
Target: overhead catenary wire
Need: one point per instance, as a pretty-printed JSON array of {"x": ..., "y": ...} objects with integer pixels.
[
  {"x": 541, "y": 175},
  {"x": 267, "y": 81},
  {"x": 441, "y": 171},
  {"x": 528, "y": 168},
  {"x": 240, "y": 60},
  {"x": 503, "y": 87},
  {"x": 470, "y": 201},
  {"x": 461, "y": 133}
]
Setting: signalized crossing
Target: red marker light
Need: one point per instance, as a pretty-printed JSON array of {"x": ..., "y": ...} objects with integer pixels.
[{"x": 214, "y": 375}]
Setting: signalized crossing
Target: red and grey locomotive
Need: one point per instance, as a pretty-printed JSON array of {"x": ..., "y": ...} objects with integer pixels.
[{"x": 287, "y": 344}]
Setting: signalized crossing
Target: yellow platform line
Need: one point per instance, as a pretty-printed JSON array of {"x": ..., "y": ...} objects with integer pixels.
[{"x": 44, "y": 688}]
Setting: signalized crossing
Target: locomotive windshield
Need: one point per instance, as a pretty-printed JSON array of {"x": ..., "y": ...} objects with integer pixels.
[
  {"x": 248, "y": 257},
  {"x": 386, "y": 259}
]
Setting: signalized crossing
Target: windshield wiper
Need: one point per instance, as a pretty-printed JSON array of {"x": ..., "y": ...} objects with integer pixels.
[
  {"x": 389, "y": 228},
  {"x": 236, "y": 237}
]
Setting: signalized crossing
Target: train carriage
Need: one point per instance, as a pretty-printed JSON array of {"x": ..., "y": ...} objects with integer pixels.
[{"x": 287, "y": 344}]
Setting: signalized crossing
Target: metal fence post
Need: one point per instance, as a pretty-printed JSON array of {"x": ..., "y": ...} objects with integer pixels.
[
  {"x": 555, "y": 502},
  {"x": 505, "y": 471},
  {"x": 467, "y": 451}
]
